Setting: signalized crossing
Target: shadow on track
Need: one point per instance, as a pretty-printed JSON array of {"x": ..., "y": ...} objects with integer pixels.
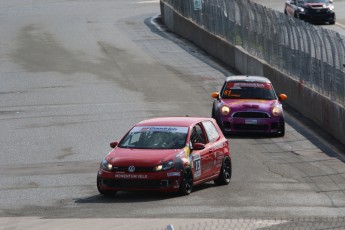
[{"x": 139, "y": 196}]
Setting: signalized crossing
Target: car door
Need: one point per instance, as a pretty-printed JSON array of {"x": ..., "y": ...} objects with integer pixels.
[
  {"x": 203, "y": 159},
  {"x": 216, "y": 144}
]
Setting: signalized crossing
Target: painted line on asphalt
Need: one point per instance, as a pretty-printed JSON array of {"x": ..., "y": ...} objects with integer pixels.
[
  {"x": 149, "y": 1},
  {"x": 340, "y": 25}
]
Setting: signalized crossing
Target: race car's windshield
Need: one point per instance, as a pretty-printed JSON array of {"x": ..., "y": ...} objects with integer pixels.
[
  {"x": 314, "y": 1},
  {"x": 155, "y": 137},
  {"x": 248, "y": 90}
]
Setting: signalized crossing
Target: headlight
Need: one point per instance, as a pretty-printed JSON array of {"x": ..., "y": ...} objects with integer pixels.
[
  {"x": 225, "y": 110},
  {"x": 165, "y": 166},
  {"x": 105, "y": 165},
  {"x": 300, "y": 9},
  {"x": 276, "y": 111}
]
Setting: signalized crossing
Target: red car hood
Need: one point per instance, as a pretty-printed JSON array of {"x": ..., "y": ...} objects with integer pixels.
[
  {"x": 250, "y": 104},
  {"x": 140, "y": 157}
]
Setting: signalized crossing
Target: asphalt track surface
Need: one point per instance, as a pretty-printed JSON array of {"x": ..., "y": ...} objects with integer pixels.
[{"x": 75, "y": 75}]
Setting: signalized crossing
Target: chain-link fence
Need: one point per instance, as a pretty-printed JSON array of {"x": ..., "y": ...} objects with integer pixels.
[{"x": 309, "y": 53}]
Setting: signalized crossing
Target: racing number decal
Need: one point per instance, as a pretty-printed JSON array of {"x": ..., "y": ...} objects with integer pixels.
[{"x": 197, "y": 165}]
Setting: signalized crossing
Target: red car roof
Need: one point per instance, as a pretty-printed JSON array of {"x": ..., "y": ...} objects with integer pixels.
[{"x": 172, "y": 121}]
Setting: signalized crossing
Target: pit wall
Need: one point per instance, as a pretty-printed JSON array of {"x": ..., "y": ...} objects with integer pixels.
[{"x": 326, "y": 114}]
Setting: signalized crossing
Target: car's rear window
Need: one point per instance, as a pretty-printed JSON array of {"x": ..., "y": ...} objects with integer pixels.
[
  {"x": 248, "y": 90},
  {"x": 155, "y": 137}
]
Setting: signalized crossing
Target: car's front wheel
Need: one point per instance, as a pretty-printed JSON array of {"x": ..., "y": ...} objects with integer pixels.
[
  {"x": 225, "y": 173},
  {"x": 281, "y": 131},
  {"x": 214, "y": 116},
  {"x": 104, "y": 192},
  {"x": 296, "y": 15},
  {"x": 186, "y": 181}
]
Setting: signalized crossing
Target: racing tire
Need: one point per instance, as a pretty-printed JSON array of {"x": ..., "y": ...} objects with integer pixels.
[
  {"x": 217, "y": 120},
  {"x": 213, "y": 114},
  {"x": 332, "y": 22},
  {"x": 296, "y": 15},
  {"x": 281, "y": 131},
  {"x": 225, "y": 172},
  {"x": 103, "y": 192},
  {"x": 186, "y": 185}
]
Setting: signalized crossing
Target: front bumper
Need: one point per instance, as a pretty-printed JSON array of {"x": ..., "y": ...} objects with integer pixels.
[
  {"x": 168, "y": 181},
  {"x": 318, "y": 17},
  {"x": 251, "y": 125}
]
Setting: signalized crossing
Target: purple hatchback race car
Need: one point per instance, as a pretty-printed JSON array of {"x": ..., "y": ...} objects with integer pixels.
[{"x": 249, "y": 104}]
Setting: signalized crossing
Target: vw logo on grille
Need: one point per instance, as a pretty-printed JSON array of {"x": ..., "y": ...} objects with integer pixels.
[{"x": 131, "y": 168}]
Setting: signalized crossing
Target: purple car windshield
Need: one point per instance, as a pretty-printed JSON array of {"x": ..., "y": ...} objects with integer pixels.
[
  {"x": 248, "y": 90},
  {"x": 155, "y": 137}
]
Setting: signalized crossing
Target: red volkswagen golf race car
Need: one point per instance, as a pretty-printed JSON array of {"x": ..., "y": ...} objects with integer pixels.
[
  {"x": 249, "y": 104},
  {"x": 169, "y": 154}
]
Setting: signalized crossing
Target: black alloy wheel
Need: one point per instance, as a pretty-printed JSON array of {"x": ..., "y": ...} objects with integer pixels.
[{"x": 186, "y": 185}]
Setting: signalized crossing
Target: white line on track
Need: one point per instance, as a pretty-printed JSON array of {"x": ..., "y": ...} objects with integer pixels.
[
  {"x": 340, "y": 25},
  {"x": 149, "y": 1}
]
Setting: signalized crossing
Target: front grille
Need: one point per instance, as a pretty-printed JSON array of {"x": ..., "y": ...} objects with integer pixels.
[
  {"x": 250, "y": 127},
  {"x": 318, "y": 11},
  {"x": 250, "y": 115},
  {"x": 137, "y": 169},
  {"x": 145, "y": 184}
]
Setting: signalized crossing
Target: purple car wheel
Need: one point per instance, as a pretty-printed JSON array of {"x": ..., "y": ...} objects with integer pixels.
[{"x": 281, "y": 131}]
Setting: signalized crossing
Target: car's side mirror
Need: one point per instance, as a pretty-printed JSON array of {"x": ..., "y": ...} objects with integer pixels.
[
  {"x": 330, "y": 1},
  {"x": 113, "y": 144},
  {"x": 282, "y": 97},
  {"x": 198, "y": 146},
  {"x": 215, "y": 95}
]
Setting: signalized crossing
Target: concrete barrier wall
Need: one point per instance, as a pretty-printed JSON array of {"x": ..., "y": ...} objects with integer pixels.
[{"x": 328, "y": 115}]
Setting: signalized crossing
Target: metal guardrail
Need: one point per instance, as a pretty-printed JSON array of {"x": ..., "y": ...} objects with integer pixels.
[{"x": 311, "y": 54}]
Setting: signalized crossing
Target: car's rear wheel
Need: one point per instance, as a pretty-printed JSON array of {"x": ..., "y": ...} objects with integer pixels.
[
  {"x": 225, "y": 173},
  {"x": 186, "y": 185},
  {"x": 104, "y": 192}
]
